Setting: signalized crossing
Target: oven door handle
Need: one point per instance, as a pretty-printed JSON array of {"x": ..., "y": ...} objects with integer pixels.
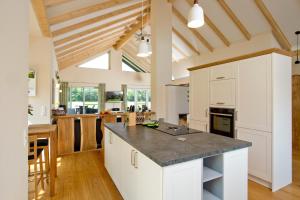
[{"x": 220, "y": 114}]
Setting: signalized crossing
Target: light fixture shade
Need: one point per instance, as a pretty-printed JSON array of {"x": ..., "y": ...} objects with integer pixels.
[
  {"x": 196, "y": 17},
  {"x": 143, "y": 49}
]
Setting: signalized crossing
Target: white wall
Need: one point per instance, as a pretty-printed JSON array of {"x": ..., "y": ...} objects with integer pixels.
[
  {"x": 13, "y": 88},
  {"x": 257, "y": 43},
  {"x": 113, "y": 78},
  {"x": 295, "y": 68},
  {"x": 41, "y": 60}
]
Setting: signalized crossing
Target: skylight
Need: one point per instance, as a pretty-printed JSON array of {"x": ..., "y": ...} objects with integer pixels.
[
  {"x": 129, "y": 66},
  {"x": 101, "y": 62}
]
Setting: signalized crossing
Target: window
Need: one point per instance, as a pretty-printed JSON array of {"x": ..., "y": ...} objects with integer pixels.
[
  {"x": 129, "y": 66},
  {"x": 139, "y": 98},
  {"x": 83, "y": 100},
  {"x": 101, "y": 62}
]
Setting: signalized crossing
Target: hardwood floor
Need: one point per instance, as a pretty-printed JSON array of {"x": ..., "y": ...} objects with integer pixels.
[{"x": 82, "y": 176}]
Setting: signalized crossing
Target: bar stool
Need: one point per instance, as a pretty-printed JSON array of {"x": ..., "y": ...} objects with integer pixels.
[
  {"x": 44, "y": 145},
  {"x": 35, "y": 157}
]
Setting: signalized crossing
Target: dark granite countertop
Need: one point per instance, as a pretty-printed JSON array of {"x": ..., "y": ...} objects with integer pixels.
[{"x": 165, "y": 149}]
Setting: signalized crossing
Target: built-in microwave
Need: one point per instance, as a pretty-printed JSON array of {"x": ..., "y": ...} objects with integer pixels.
[{"x": 222, "y": 121}]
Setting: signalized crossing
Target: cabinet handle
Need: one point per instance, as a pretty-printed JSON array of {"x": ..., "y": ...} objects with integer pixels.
[
  {"x": 132, "y": 160},
  {"x": 236, "y": 115},
  {"x": 136, "y": 160},
  {"x": 110, "y": 138},
  {"x": 206, "y": 112},
  {"x": 235, "y": 133},
  {"x": 220, "y": 77},
  {"x": 220, "y": 103},
  {"x": 206, "y": 128}
]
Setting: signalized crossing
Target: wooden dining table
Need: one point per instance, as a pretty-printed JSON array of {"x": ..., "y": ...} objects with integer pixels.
[{"x": 48, "y": 131}]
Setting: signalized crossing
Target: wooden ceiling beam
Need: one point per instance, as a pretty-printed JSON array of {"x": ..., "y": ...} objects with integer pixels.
[
  {"x": 279, "y": 35},
  {"x": 185, "y": 41},
  {"x": 90, "y": 37},
  {"x": 213, "y": 27},
  {"x": 50, "y": 3},
  {"x": 82, "y": 56},
  {"x": 90, "y": 43},
  {"x": 97, "y": 19},
  {"x": 41, "y": 14},
  {"x": 97, "y": 28},
  {"x": 85, "y": 11},
  {"x": 194, "y": 31},
  {"x": 235, "y": 19},
  {"x": 133, "y": 29}
]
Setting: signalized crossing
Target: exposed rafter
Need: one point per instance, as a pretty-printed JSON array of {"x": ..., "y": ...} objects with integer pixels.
[
  {"x": 84, "y": 11},
  {"x": 133, "y": 29},
  {"x": 100, "y": 35},
  {"x": 214, "y": 28},
  {"x": 98, "y": 19},
  {"x": 40, "y": 12},
  {"x": 82, "y": 55},
  {"x": 90, "y": 43},
  {"x": 234, "y": 18},
  {"x": 50, "y": 3},
  {"x": 281, "y": 38},
  {"x": 194, "y": 31},
  {"x": 97, "y": 28},
  {"x": 185, "y": 41}
]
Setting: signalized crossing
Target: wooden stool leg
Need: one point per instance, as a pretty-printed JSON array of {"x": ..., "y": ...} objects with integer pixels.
[
  {"x": 35, "y": 180},
  {"x": 41, "y": 172},
  {"x": 46, "y": 154}
]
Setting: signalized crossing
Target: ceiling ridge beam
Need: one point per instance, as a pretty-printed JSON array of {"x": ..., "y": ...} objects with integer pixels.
[
  {"x": 85, "y": 11},
  {"x": 88, "y": 44},
  {"x": 279, "y": 35},
  {"x": 82, "y": 56},
  {"x": 94, "y": 29},
  {"x": 133, "y": 29},
  {"x": 41, "y": 14},
  {"x": 85, "y": 39},
  {"x": 50, "y": 3},
  {"x": 235, "y": 19},
  {"x": 185, "y": 41},
  {"x": 213, "y": 27},
  {"x": 97, "y": 19},
  {"x": 194, "y": 31}
]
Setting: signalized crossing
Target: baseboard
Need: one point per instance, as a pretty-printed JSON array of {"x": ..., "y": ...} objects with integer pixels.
[{"x": 260, "y": 181}]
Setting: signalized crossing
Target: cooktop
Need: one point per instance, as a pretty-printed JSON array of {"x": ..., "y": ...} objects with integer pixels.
[{"x": 175, "y": 129}]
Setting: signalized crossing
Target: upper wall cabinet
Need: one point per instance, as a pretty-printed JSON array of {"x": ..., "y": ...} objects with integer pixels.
[
  {"x": 222, "y": 93},
  {"x": 199, "y": 95},
  {"x": 223, "y": 72},
  {"x": 254, "y": 103}
]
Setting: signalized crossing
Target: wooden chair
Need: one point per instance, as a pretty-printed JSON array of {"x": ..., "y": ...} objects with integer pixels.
[{"x": 35, "y": 156}]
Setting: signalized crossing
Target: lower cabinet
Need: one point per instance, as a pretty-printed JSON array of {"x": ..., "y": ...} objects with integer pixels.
[
  {"x": 260, "y": 153},
  {"x": 199, "y": 125}
]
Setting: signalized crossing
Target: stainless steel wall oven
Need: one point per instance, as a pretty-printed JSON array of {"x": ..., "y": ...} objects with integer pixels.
[{"x": 222, "y": 121}]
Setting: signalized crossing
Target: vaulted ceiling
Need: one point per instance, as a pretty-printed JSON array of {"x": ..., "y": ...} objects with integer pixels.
[{"x": 83, "y": 29}]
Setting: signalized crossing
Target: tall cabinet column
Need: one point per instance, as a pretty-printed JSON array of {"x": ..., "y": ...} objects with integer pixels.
[{"x": 161, "y": 61}]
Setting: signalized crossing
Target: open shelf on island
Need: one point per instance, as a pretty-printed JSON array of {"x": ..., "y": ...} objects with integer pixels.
[
  {"x": 210, "y": 174},
  {"x": 209, "y": 196}
]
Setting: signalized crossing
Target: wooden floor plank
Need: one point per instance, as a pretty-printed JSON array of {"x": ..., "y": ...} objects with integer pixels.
[{"x": 83, "y": 176}]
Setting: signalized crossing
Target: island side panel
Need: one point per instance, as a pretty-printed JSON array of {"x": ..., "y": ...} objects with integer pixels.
[
  {"x": 235, "y": 175},
  {"x": 183, "y": 181}
]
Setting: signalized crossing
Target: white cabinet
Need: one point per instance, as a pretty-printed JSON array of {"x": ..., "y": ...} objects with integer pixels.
[
  {"x": 199, "y": 125},
  {"x": 222, "y": 93},
  {"x": 254, "y": 93},
  {"x": 199, "y": 95},
  {"x": 259, "y": 153},
  {"x": 223, "y": 72}
]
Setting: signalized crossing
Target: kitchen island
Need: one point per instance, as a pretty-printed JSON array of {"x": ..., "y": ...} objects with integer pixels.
[{"x": 149, "y": 164}]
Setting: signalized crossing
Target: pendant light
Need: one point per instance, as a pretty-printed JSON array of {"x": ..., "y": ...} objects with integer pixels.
[
  {"x": 196, "y": 16},
  {"x": 297, "y": 62},
  {"x": 143, "y": 46}
]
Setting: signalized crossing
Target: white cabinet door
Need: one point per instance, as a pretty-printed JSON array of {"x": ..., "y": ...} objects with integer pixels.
[
  {"x": 223, "y": 72},
  {"x": 108, "y": 151},
  {"x": 198, "y": 125},
  {"x": 149, "y": 185},
  {"x": 199, "y": 95},
  {"x": 259, "y": 153},
  {"x": 129, "y": 175},
  {"x": 116, "y": 155},
  {"x": 254, "y": 93},
  {"x": 222, "y": 93}
]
